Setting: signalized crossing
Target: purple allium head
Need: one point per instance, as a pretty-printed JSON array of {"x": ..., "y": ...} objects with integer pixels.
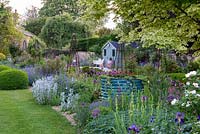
[
  {"x": 144, "y": 98},
  {"x": 134, "y": 128},
  {"x": 95, "y": 113},
  {"x": 198, "y": 117},
  {"x": 179, "y": 118}
]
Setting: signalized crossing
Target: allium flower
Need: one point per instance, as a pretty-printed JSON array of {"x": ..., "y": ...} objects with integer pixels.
[
  {"x": 95, "y": 113},
  {"x": 196, "y": 85},
  {"x": 134, "y": 128},
  {"x": 179, "y": 118}
]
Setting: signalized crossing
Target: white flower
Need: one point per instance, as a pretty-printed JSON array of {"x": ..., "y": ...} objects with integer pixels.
[
  {"x": 192, "y": 73},
  {"x": 193, "y": 92},
  {"x": 196, "y": 85},
  {"x": 197, "y": 95},
  {"x": 188, "y": 83},
  {"x": 187, "y": 75},
  {"x": 186, "y": 93},
  {"x": 183, "y": 104},
  {"x": 174, "y": 101},
  {"x": 188, "y": 104}
]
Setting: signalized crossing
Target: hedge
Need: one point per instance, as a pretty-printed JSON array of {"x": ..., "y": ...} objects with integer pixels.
[
  {"x": 89, "y": 43},
  {"x": 3, "y": 67},
  {"x": 13, "y": 79}
]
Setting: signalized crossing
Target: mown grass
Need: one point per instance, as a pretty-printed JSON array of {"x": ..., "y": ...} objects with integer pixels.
[{"x": 19, "y": 114}]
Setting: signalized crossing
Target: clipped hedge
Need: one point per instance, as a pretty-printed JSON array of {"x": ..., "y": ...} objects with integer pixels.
[
  {"x": 13, "y": 79},
  {"x": 3, "y": 67}
]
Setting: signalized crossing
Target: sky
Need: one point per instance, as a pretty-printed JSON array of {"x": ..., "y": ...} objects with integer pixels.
[{"x": 22, "y": 5}]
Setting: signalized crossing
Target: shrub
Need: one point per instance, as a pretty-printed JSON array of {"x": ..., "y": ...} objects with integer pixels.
[
  {"x": 52, "y": 66},
  {"x": 177, "y": 76},
  {"x": 13, "y": 79},
  {"x": 3, "y": 67},
  {"x": 2, "y": 56},
  {"x": 45, "y": 91}
]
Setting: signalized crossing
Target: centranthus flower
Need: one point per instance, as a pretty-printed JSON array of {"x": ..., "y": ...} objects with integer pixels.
[
  {"x": 179, "y": 118},
  {"x": 134, "y": 128}
]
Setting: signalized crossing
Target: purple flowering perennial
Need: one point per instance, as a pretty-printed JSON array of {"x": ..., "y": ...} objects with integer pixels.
[
  {"x": 198, "y": 117},
  {"x": 95, "y": 113},
  {"x": 134, "y": 128},
  {"x": 179, "y": 118}
]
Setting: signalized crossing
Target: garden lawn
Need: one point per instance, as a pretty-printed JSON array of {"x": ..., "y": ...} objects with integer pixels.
[{"x": 19, "y": 114}]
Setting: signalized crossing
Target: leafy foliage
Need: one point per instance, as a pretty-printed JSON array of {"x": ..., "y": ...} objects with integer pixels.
[
  {"x": 59, "y": 7},
  {"x": 35, "y": 25},
  {"x": 36, "y": 47},
  {"x": 8, "y": 32},
  {"x": 172, "y": 24},
  {"x": 3, "y": 67},
  {"x": 58, "y": 31},
  {"x": 95, "y": 44}
]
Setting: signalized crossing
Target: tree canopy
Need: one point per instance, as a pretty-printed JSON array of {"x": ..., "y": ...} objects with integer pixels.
[
  {"x": 59, "y": 7},
  {"x": 58, "y": 31},
  {"x": 173, "y": 24},
  {"x": 8, "y": 31}
]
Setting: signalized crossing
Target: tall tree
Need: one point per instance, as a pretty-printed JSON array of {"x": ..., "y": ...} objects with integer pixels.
[
  {"x": 8, "y": 31},
  {"x": 173, "y": 24},
  {"x": 58, "y": 30},
  {"x": 59, "y": 7}
]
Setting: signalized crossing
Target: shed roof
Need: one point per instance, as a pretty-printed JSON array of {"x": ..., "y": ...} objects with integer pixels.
[{"x": 113, "y": 43}]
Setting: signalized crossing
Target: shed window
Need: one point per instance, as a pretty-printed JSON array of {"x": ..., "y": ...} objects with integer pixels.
[
  {"x": 113, "y": 52},
  {"x": 104, "y": 52}
]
